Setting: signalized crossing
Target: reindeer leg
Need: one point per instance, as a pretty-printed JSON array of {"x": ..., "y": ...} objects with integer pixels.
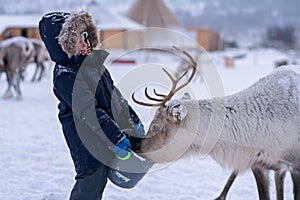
[
  {"x": 279, "y": 182},
  {"x": 19, "y": 93},
  {"x": 8, "y": 93},
  {"x": 262, "y": 181},
  {"x": 16, "y": 83},
  {"x": 42, "y": 67},
  {"x": 35, "y": 73},
  {"x": 229, "y": 182},
  {"x": 296, "y": 181}
]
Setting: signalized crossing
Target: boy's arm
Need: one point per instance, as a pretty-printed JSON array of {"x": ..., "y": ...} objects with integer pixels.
[{"x": 82, "y": 102}]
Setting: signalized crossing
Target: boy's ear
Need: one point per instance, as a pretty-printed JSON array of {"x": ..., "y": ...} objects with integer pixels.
[{"x": 176, "y": 111}]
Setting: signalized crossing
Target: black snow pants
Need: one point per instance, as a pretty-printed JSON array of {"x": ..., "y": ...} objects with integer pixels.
[{"x": 90, "y": 184}]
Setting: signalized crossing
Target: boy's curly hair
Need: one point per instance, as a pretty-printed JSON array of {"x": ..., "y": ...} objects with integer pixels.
[{"x": 75, "y": 24}]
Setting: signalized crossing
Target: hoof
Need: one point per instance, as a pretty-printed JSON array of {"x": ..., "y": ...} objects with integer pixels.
[
  {"x": 8, "y": 95},
  {"x": 19, "y": 98},
  {"x": 220, "y": 198}
]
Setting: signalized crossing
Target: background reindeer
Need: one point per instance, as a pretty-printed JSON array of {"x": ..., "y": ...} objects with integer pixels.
[
  {"x": 258, "y": 126},
  {"x": 15, "y": 54},
  {"x": 186, "y": 66},
  {"x": 40, "y": 56}
]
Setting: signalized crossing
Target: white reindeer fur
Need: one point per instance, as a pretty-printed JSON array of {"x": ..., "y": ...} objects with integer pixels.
[{"x": 258, "y": 125}]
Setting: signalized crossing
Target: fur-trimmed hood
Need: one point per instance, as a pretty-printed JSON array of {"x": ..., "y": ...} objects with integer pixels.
[
  {"x": 70, "y": 34},
  {"x": 50, "y": 26}
]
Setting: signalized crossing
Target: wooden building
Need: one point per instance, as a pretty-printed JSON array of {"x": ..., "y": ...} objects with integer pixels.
[
  {"x": 120, "y": 32},
  {"x": 19, "y": 25},
  {"x": 114, "y": 28},
  {"x": 121, "y": 39},
  {"x": 210, "y": 40}
]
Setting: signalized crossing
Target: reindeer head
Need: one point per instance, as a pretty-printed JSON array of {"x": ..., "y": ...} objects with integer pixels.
[{"x": 164, "y": 134}]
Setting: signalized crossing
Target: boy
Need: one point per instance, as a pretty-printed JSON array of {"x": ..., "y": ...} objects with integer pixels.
[{"x": 92, "y": 111}]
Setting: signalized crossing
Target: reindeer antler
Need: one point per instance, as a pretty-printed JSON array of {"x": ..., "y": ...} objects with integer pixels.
[{"x": 174, "y": 89}]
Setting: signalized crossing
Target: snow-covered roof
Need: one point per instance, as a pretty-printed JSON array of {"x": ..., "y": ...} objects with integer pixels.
[
  {"x": 106, "y": 19},
  {"x": 118, "y": 22},
  {"x": 22, "y": 21}
]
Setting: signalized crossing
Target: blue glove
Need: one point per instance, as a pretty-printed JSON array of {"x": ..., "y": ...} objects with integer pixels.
[
  {"x": 122, "y": 149},
  {"x": 139, "y": 129}
]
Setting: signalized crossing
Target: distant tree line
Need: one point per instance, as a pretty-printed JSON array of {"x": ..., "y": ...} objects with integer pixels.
[{"x": 281, "y": 37}]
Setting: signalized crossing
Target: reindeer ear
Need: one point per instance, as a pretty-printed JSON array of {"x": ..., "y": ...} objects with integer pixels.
[
  {"x": 186, "y": 96},
  {"x": 176, "y": 111}
]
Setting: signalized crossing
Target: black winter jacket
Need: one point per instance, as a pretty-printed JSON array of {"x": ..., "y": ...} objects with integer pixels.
[{"x": 92, "y": 111}]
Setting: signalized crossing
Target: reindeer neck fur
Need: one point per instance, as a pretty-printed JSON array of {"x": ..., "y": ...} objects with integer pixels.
[{"x": 256, "y": 125}]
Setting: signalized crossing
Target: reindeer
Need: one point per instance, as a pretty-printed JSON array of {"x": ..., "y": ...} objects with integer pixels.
[
  {"x": 40, "y": 56},
  {"x": 280, "y": 63},
  {"x": 256, "y": 128},
  {"x": 186, "y": 66},
  {"x": 15, "y": 55}
]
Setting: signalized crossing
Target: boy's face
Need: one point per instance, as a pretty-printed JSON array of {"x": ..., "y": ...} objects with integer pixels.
[{"x": 81, "y": 47}]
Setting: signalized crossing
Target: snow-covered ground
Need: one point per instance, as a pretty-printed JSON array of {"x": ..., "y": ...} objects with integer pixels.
[{"x": 35, "y": 163}]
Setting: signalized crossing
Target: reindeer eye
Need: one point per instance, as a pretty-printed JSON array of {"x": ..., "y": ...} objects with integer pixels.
[{"x": 155, "y": 129}]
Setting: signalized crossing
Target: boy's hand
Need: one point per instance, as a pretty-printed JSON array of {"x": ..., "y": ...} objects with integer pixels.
[{"x": 122, "y": 149}]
